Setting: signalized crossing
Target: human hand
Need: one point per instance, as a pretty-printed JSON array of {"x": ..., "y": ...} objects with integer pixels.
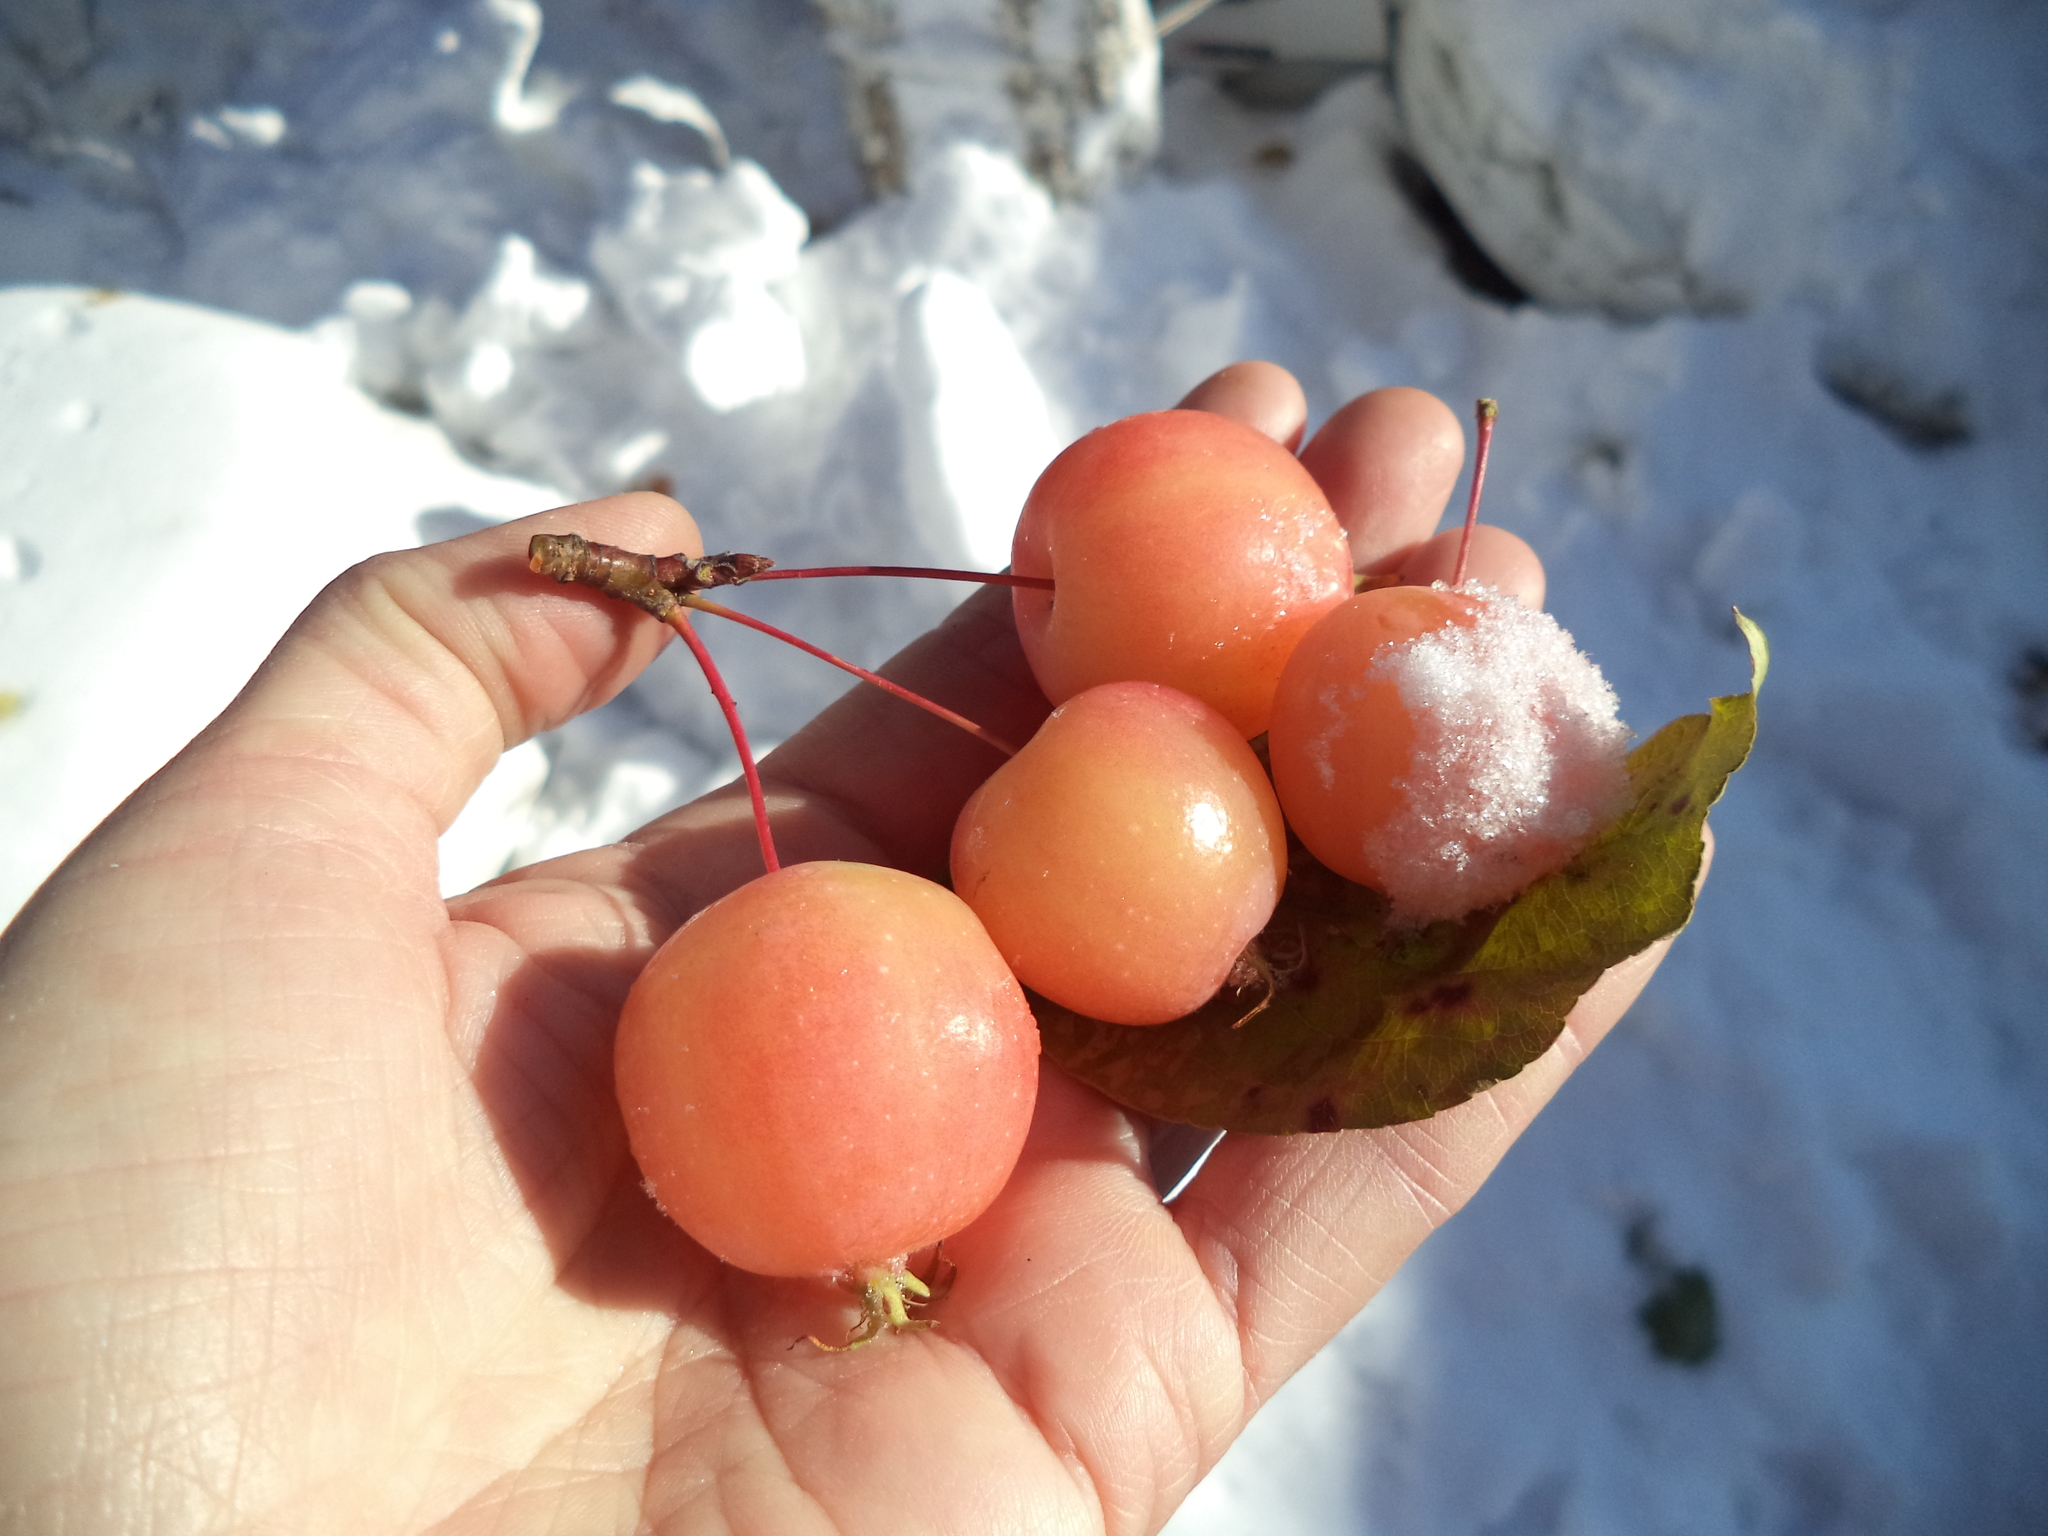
[{"x": 316, "y": 1211}]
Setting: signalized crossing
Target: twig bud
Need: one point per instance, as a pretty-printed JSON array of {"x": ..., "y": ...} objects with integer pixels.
[{"x": 651, "y": 582}]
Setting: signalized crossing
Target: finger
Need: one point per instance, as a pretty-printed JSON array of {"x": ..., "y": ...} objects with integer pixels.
[
  {"x": 1261, "y": 395},
  {"x": 388, "y": 700},
  {"x": 477, "y": 653},
  {"x": 1297, "y": 1233},
  {"x": 424, "y": 665},
  {"x": 1499, "y": 559},
  {"x": 1388, "y": 461}
]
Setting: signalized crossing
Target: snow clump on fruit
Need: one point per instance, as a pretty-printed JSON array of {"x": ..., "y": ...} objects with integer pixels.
[{"x": 1520, "y": 758}]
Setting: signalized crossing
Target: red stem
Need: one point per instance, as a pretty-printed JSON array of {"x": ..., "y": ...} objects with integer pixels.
[
  {"x": 1488, "y": 410},
  {"x": 680, "y": 621},
  {"x": 980, "y": 733},
  {"x": 930, "y": 573}
]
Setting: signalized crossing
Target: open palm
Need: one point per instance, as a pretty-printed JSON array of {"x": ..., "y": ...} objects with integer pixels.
[{"x": 316, "y": 1212}]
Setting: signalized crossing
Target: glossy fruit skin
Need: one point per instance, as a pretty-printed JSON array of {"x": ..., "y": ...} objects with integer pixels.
[
  {"x": 1187, "y": 549},
  {"x": 1340, "y": 741},
  {"x": 1124, "y": 857},
  {"x": 827, "y": 1069}
]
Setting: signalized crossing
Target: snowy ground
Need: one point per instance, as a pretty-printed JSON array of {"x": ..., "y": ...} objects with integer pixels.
[{"x": 1789, "y": 353}]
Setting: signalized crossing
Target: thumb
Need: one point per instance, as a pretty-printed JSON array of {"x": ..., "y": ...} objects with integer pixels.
[{"x": 388, "y": 700}]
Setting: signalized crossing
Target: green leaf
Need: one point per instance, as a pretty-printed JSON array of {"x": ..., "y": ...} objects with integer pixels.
[{"x": 1372, "y": 1025}]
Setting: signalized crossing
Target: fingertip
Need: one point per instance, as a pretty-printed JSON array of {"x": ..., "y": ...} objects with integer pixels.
[
  {"x": 1262, "y": 395},
  {"x": 646, "y": 521},
  {"x": 1499, "y": 559},
  {"x": 1388, "y": 461},
  {"x": 440, "y": 658},
  {"x": 495, "y": 562}
]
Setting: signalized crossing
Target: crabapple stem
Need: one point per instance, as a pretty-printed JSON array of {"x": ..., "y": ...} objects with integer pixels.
[
  {"x": 641, "y": 579},
  {"x": 1488, "y": 410},
  {"x": 664, "y": 585},
  {"x": 980, "y": 733},
  {"x": 637, "y": 578},
  {"x": 929, "y": 573},
  {"x": 680, "y": 622}
]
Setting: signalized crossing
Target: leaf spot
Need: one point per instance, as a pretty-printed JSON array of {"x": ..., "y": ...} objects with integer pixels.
[
  {"x": 1444, "y": 998},
  {"x": 1322, "y": 1115}
]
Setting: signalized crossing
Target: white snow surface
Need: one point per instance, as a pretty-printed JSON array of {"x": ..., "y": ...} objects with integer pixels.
[
  {"x": 1834, "y": 1098},
  {"x": 1520, "y": 757}
]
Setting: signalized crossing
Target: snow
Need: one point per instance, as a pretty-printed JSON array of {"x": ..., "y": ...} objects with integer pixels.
[
  {"x": 1520, "y": 757},
  {"x": 1791, "y": 357},
  {"x": 1597, "y": 140}
]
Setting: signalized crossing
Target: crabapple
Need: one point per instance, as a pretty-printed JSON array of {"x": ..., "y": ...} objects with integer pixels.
[
  {"x": 1124, "y": 858},
  {"x": 826, "y": 1070},
  {"x": 1186, "y": 549},
  {"x": 1445, "y": 746}
]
